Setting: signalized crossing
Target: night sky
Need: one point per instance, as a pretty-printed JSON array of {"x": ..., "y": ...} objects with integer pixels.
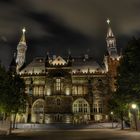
[{"x": 61, "y": 25}]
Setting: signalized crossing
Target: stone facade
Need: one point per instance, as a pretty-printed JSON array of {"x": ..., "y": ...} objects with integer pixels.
[
  {"x": 64, "y": 93},
  {"x": 70, "y": 89}
]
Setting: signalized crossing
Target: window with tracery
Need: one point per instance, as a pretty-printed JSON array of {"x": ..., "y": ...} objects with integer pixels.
[
  {"x": 81, "y": 106},
  {"x": 38, "y": 107}
]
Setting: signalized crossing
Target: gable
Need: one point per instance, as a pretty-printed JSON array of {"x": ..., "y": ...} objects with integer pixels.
[{"x": 59, "y": 61}]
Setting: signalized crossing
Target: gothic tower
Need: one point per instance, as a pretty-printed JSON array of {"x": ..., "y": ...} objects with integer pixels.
[
  {"x": 111, "y": 42},
  {"x": 21, "y": 51},
  {"x": 112, "y": 59}
]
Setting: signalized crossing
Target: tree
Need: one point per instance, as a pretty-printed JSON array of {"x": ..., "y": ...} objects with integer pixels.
[
  {"x": 19, "y": 99},
  {"x": 3, "y": 89},
  {"x": 119, "y": 107},
  {"x": 128, "y": 80},
  {"x": 12, "y": 94}
]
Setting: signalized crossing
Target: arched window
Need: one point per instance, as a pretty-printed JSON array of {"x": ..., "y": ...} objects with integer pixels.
[
  {"x": 38, "y": 106},
  {"x": 38, "y": 111},
  {"x": 81, "y": 106}
]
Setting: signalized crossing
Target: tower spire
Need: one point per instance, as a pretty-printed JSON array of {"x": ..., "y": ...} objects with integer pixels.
[
  {"x": 21, "y": 51},
  {"x": 109, "y": 32},
  {"x": 23, "y": 40},
  {"x": 111, "y": 41},
  {"x": 108, "y": 21}
]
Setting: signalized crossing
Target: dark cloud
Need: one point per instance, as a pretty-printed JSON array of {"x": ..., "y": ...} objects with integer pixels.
[{"x": 59, "y": 25}]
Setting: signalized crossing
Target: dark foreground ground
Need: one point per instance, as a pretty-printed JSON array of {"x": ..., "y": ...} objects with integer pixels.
[{"x": 84, "y": 134}]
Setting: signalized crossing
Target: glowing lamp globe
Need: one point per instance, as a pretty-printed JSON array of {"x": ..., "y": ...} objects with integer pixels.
[{"x": 134, "y": 106}]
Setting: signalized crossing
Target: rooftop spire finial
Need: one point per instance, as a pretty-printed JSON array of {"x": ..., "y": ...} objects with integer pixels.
[
  {"x": 108, "y": 21},
  {"x": 23, "y": 30},
  {"x": 109, "y": 32},
  {"x": 23, "y": 35}
]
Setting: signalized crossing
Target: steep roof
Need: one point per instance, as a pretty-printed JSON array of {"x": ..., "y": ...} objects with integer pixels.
[
  {"x": 79, "y": 64},
  {"x": 36, "y": 66},
  {"x": 85, "y": 65}
]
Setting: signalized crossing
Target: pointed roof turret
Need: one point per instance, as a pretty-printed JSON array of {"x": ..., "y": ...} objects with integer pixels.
[
  {"x": 111, "y": 41},
  {"x": 109, "y": 32}
]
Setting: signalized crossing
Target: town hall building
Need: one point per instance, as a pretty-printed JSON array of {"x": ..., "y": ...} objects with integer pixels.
[{"x": 67, "y": 89}]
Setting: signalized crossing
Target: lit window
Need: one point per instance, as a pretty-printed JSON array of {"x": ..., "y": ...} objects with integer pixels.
[
  {"x": 58, "y": 84},
  {"x": 81, "y": 106},
  {"x": 79, "y": 90},
  {"x": 95, "y": 108},
  {"x": 75, "y": 90},
  {"x": 41, "y": 90},
  {"x": 98, "y": 107},
  {"x": 36, "y": 92}
]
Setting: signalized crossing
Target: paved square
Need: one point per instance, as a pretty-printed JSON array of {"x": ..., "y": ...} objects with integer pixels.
[{"x": 84, "y": 134}]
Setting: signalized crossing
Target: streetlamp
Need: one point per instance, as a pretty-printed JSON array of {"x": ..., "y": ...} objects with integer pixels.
[
  {"x": 112, "y": 113},
  {"x": 134, "y": 109}
]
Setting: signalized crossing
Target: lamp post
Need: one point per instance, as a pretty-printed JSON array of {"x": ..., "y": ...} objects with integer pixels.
[
  {"x": 134, "y": 109},
  {"x": 112, "y": 113}
]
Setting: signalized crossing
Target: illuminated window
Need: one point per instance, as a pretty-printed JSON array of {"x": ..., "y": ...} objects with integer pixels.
[
  {"x": 58, "y": 84},
  {"x": 75, "y": 90},
  {"x": 98, "y": 107},
  {"x": 41, "y": 91},
  {"x": 81, "y": 106},
  {"x": 36, "y": 91},
  {"x": 79, "y": 90},
  {"x": 95, "y": 108}
]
